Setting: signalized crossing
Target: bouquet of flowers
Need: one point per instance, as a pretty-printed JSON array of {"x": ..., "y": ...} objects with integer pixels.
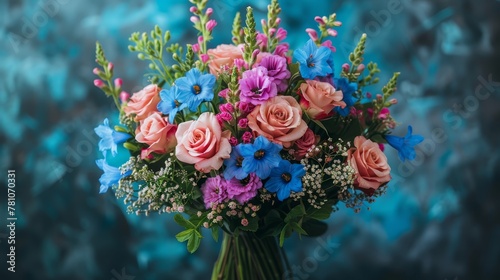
[{"x": 250, "y": 138}]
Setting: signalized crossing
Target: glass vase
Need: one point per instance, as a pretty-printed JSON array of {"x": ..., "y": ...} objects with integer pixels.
[{"x": 246, "y": 256}]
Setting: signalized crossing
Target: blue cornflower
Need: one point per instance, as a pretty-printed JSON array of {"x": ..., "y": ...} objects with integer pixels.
[
  {"x": 172, "y": 101},
  {"x": 285, "y": 178},
  {"x": 260, "y": 157},
  {"x": 109, "y": 138},
  {"x": 348, "y": 89},
  {"x": 314, "y": 61},
  {"x": 405, "y": 145},
  {"x": 234, "y": 165},
  {"x": 198, "y": 87},
  {"x": 111, "y": 175}
]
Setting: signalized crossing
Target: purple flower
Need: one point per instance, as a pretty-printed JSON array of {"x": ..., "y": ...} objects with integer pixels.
[
  {"x": 244, "y": 190},
  {"x": 277, "y": 69},
  {"x": 214, "y": 191},
  {"x": 256, "y": 86}
]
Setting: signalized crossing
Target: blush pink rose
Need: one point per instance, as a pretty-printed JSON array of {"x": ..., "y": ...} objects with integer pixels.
[
  {"x": 279, "y": 119},
  {"x": 143, "y": 103},
  {"x": 158, "y": 133},
  {"x": 370, "y": 164},
  {"x": 222, "y": 57},
  {"x": 203, "y": 143},
  {"x": 304, "y": 143},
  {"x": 319, "y": 98}
]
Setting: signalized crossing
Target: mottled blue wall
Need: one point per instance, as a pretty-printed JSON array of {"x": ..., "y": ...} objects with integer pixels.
[{"x": 439, "y": 219}]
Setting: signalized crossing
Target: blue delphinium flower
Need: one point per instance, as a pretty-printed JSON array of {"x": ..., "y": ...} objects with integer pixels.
[
  {"x": 234, "y": 165},
  {"x": 405, "y": 145},
  {"x": 109, "y": 138},
  {"x": 111, "y": 175},
  {"x": 198, "y": 87},
  {"x": 172, "y": 101},
  {"x": 313, "y": 60},
  {"x": 348, "y": 89},
  {"x": 260, "y": 157},
  {"x": 285, "y": 178}
]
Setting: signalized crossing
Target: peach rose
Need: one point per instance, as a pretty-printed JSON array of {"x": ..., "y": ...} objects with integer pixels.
[
  {"x": 223, "y": 56},
  {"x": 157, "y": 133},
  {"x": 279, "y": 119},
  {"x": 202, "y": 143},
  {"x": 370, "y": 164},
  {"x": 143, "y": 103},
  {"x": 319, "y": 98},
  {"x": 304, "y": 143}
]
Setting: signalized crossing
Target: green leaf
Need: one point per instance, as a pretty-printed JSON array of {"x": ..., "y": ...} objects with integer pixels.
[
  {"x": 215, "y": 233},
  {"x": 184, "y": 235},
  {"x": 323, "y": 213},
  {"x": 314, "y": 227},
  {"x": 294, "y": 68},
  {"x": 178, "y": 218},
  {"x": 296, "y": 227},
  {"x": 194, "y": 241},
  {"x": 296, "y": 212},
  {"x": 283, "y": 234}
]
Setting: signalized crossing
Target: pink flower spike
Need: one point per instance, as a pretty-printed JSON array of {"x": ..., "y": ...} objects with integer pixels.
[
  {"x": 346, "y": 67},
  {"x": 193, "y": 9},
  {"x": 243, "y": 123},
  {"x": 278, "y": 21},
  {"x": 255, "y": 53},
  {"x": 319, "y": 20},
  {"x": 281, "y": 34},
  {"x": 96, "y": 71},
  {"x": 205, "y": 58},
  {"x": 223, "y": 93},
  {"x": 118, "y": 82},
  {"x": 194, "y": 19},
  {"x": 233, "y": 141},
  {"x": 124, "y": 96},
  {"x": 209, "y": 12},
  {"x": 200, "y": 40},
  {"x": 312, "y": 33},
  {"x": 98, "y": 83},
  {"x": 272, "y": 31},
  {"x": 263, "y": 22},
  {"x": 196, "y": 48},
  {"x": 110, "y": 66},
  {"x": 332, "y": 32},
  {"x": 240, "y": 63},
  {"x": 211, "y": 24},
  {"x": 247, "y": 137}
]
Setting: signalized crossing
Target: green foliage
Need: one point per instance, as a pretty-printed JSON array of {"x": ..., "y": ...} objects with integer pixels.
[
  {"x": 192, "y": 233},
  {"x": 238, "y": 37}
]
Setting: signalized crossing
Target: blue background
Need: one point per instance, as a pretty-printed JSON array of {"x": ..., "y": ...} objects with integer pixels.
[{"x": 438, "y": 220}]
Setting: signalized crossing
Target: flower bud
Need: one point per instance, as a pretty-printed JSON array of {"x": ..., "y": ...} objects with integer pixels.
[
  {"x": 346, "y": 67},
  {"x": 196, "y": 48},
  {"x": 210, "y": 25},
  {"x": 209, "y": 12},
  {"x": 193, "y": 9},
  {"x": 312, "y": 33},
  {"x": 110, "y": 66},
  {"x": 194, "y": 19},
  {"x": 98, "y": 83},
  {"x": 319, "y": 20},
  {"x": 118, "y": 82},
  {"x": 124, "y": 96},
  {"x": 96, "y": 71}
]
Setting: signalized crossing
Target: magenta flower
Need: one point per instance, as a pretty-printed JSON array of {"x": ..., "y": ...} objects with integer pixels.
[
  {"x": 277, "y": 69},
  {"x": 214, "y": 191},
  {"x": 244, "y": 190},
  {"x": 256, "y": 86}
]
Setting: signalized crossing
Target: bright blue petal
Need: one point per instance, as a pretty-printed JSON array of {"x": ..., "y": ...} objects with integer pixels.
[{"x": 120, "y": 137}]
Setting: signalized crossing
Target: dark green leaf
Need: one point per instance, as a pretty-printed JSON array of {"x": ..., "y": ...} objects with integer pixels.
[
  {"x": 314, "y": 227},
  {"x": 296, "y": 212},
  {"x": 215, "y": 233},
  {"x": 194, "y": 242}
]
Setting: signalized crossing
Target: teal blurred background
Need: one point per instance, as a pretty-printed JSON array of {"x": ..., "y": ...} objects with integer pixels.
[{"x": 438, "y": 220}]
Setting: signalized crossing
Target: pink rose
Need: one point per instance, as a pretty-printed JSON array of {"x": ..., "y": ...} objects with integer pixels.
[
  {"x": 319, "y": 98},
  {"x": 223, "y": 56},
  {"x": 157, "y": 133},
  {"x": 370, "y": 164},
  {"x": 202, "y": 143},
  {"x": 143, "y": 103},
  {"x": 303, "y": 144},
  {"x": 279, "y": 119}
]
